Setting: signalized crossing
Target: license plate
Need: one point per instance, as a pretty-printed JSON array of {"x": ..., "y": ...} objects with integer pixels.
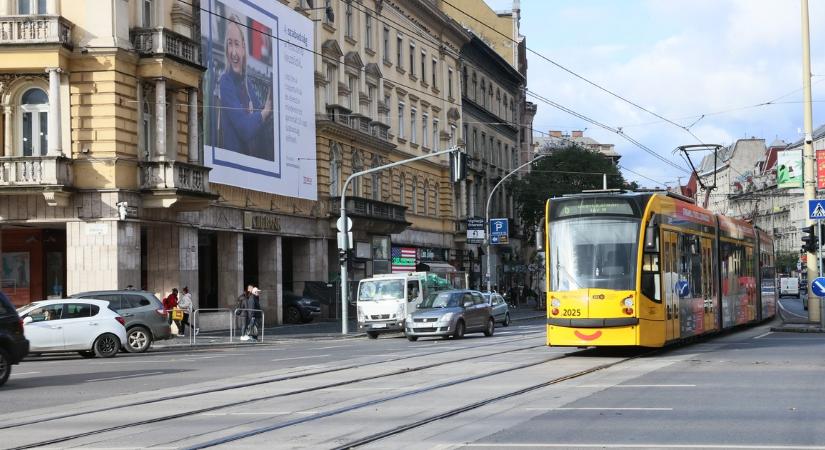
[{"x": 379, "y": 325}]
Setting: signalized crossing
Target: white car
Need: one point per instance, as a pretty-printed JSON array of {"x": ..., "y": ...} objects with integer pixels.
[{"x": 88, "y": 327}]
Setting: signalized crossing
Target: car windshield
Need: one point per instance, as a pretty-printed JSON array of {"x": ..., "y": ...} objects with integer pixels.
[
  {"x": 26, "y": 307},
  {"x": 593, "y": 252},
  {"x": 374, "y": 290},
  {"x": 442, "y": 300}
]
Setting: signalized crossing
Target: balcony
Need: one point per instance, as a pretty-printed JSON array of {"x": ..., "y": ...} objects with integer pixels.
[
  {"x": 372, "y": 215},
  {"x": 50, "y": 176},
  {"x": 35, "y": 29},
  {"x": 174, "y": 184},
  {"x": 357, "y": 122},
  {"x": 165, "y": 42}
]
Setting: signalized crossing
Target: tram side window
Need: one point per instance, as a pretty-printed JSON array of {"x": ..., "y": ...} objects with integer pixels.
[
  {"x": 732, "y": 269},
  {"x": 690, "y": 265},
  {"x": 651, "y": 278}
]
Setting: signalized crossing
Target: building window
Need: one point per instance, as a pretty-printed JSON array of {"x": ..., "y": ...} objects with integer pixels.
[
  {"x": 332, "y": 80},
  {"x": 465, "y": 135},
  {"x": 475, "y": 143},
  {"x": 400, "y": 120},
  {"x": 475, "y": 87},
  {"x": 435, "y": 135},
  {"x": 425, "y": 130},
  {"x": 335, "y": 171},
  {"x": 464, "y": 82},
  {"x": 484, "y": 155},
  {"x": 357, "y": 166},
  {"x": 386, "y": 37},
  {"x": 435, "y": 72},
  {"x": 327, "y": 7},
  {"x": 352, "y": 98},
  {"x": 399, "y": 51},
  {"x": 376, "y": 180},
  {"x": 412, "y": 59},
  {"x": 368, "y": 31},
  {"x": 449, "y": 83},
  {"x": 402, "y": 190},
  {"x": 348, "y": 23},
  {"x": 387, "y": 100},
  {"x": 423, "y": 66},
  {"x": 413, "y": 134},
  {"x": 483, "y": 94},
  {"x": 373, "y": 96},
  {"x": 499, "y": 155},
  {"x": 34, "y": 120}
]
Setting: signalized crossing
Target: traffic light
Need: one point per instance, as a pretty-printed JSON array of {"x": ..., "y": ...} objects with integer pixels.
[
  {"x": 810, "y": 243},
  {"x": 342, "y": 256},
  {"x": 458, "y": 166}
]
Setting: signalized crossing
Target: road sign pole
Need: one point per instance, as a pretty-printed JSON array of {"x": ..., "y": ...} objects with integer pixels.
[{"x": 808, "y": 157}]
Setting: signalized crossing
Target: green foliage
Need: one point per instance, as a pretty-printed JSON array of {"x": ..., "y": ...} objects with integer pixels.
[
  {"x": 786, "y": 262},
  {"x": 559, "y": 174}
]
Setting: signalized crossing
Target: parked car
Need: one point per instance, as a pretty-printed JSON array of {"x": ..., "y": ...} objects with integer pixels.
[
  {"x": 299, "y": 309},
  {"x": 501, "y": 310},
  {"x": 451, "y": 313},
  {"x": 86, "y": 326},
  {"x": 13, "y": 343},
  {"x": 146, "y": 320}
]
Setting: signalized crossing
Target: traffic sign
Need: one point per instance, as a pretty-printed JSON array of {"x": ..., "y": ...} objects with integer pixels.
[
  {"x": 340, "y": 224},
  {"x": 818, "y": 287},
  {"x": 475, "y": 229},
  {"x": 341, "y": 240},
  {"x": 816, "y": 209},
  {"x": 499, "y": 231}
]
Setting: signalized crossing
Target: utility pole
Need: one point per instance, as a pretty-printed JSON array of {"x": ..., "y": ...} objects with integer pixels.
[
  {"x": 345, "y": 244},
  {"x": 808, "y": 158}
]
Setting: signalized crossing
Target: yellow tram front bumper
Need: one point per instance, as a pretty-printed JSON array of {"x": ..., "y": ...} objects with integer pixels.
[{"x": 593, "y": 332}]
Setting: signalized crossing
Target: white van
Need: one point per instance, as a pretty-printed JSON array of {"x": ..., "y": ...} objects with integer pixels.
[{"x": 789, "y": 286}]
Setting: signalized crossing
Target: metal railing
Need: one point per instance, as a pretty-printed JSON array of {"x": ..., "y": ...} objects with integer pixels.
[{"x": 195, "y": 313}]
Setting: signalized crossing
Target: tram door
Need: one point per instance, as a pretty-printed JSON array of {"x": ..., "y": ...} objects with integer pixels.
[{"x": 670, "y": 278}]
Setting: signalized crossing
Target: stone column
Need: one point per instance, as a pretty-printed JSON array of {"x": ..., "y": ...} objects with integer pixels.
[
  {"x": 310, "y": 262},
  {"x": 7, "y": 131},
  {"x": 102, "y": 255},
  {"x": 463, "y": 199},
  {"x": 160, "y": 119},
  {"x": 230, "y": 268},
  {"x": 271, "y": 278},
  {"x": 172, "y": 259},
  {"x": 54, "y": 138},
  {"x": 193, "y": 126}
]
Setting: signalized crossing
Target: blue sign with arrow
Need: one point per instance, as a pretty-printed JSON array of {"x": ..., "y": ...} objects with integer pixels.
[
  {"x": 816, "y": 209},
  {"x": 818, "y": 287}
]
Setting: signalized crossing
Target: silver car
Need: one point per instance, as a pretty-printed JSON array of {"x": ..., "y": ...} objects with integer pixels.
[
  {"x": 501, "y": 310},
  {"x": 451, "y": 313}
]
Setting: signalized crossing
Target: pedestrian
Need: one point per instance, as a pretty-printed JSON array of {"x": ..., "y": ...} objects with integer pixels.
[
  {"x": 170, "y": 303},
  {"x": 185, "y": 304},
  {"x": 239, "y": 308},
  {"x": 252, "y": 310}
]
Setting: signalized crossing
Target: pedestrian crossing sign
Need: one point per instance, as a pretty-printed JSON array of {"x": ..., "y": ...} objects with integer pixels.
[{"x": 816, "y": 209}]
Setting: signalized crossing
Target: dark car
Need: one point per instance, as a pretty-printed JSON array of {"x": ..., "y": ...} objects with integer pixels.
[
  {"x": 13, "y": 343},
  {"x": 146, "y": 320},
  {"x": 299, "y": 309}
]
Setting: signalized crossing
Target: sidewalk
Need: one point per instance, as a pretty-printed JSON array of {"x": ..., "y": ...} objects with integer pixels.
[
  {"x": 795, "y": 319},
  {"x": 316, "y": 330}
]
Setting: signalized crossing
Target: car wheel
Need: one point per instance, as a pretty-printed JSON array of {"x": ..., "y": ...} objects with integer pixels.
[
  {"x": 372, "y": 334},
  {"x": 490, "y": 328},
  {"x": 459, "y": 330},
  {"x": 87, "y": 354},
  {"x": 293, "y": 315},
  {"x": 106, "y": 345},
  {"x": 5, "y": 366},
  {"x": 506, "y": 322},
  {"x": 412, "y": 338},
  {"x": 138, "y": 340}
]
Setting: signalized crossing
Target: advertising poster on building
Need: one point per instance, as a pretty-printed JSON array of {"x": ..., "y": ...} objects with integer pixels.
[
  {"x": 820, "y": 169},
  {"x": 259, "y": 107},
  {"x": 789, "y": 169},
  {"x": 403, "y": 259},
  {"x": 16, "y": 275}
]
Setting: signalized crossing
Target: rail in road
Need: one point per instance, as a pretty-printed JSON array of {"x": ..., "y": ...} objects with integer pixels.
[
  {"x": 240, "y": 419},
  {"x": 36, "y": 426}
]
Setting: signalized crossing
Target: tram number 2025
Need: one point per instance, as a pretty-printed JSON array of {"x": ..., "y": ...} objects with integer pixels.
[{"x": 571, "y": 312}]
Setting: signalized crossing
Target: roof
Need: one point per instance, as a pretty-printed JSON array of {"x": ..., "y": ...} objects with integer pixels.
[{"x": 819, "y": 133}]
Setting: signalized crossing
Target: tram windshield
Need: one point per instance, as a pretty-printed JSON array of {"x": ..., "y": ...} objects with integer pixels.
[{"x": 593, "y": 252}]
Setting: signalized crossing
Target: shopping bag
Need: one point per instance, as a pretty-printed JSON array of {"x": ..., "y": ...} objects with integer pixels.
[
  {"x": 174, "y": 329},
  {"x": 177, "y": 314}
]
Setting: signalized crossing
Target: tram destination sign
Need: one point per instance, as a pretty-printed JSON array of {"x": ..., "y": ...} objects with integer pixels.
[{"x": 590, "y": 206}]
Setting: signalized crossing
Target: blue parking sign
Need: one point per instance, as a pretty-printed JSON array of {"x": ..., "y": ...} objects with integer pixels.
[{"x": 499, "y": 231}]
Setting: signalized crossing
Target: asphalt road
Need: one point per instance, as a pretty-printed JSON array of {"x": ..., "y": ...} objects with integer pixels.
[{"x": 746, "y": 389}]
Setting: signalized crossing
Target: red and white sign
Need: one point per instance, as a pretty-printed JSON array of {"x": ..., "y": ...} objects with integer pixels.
[{"x": 820, "y": 169}]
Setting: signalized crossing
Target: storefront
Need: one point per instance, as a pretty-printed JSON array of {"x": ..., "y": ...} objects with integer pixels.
[{"x": 33, "y": 264}]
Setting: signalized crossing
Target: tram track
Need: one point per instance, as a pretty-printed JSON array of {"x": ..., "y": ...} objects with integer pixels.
[{"x": 213, "y": 408}]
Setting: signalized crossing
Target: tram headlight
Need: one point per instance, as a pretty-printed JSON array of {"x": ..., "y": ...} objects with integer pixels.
[
  {"x": 555, "y": 303},
  {"x": 628, "y": 306}
]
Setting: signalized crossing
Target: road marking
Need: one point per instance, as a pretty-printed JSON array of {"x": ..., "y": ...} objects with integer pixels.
[
  {"x": 636, "y": 445},
  {"x": 633, "y": 385},
  {"x": 369, "y": 389},
  {"x": 299, "y": 357},
  {"x": 262, "y": 413},
  {"x": 24, "y": 373},
  {"x": 763, "y": 335},
  {"x": 599, "y": 409},
  {"x": 331, "y": 346},
  {"x": 125, "y": 376}
]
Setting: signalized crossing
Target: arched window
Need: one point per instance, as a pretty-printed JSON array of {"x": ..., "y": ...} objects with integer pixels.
[
  {"x": 34, "y": 121},
  {"x": 483, "y": 98},
  {"x": 464, "y": 81},
  {"x": 414, "y": 199},
  {"x": 357, "y": 166},
  {"x": 335, "y": 171},
  {"x": 475, "y": 87}
]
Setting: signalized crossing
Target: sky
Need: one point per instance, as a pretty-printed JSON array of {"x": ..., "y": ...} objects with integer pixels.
[{"x": 703, "y": 64}]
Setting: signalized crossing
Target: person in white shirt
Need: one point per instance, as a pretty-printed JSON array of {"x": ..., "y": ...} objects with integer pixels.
[{"x": 185, "y": 304}]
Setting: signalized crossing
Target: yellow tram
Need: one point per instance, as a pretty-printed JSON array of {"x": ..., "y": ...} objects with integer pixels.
[{"x": 648, "y": 269}]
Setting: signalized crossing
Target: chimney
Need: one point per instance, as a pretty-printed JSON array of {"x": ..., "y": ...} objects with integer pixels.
[
  {"x": 578, "y": 134},
  {"x": 555, "y": 133}
]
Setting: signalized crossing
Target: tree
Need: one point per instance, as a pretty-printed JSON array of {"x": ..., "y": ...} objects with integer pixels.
[
  {"x": 786, "y": 262},
  {"x": 567, "y": 170}
]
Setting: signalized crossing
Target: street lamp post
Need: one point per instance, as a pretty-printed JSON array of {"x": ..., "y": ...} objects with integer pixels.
[
  {"x": 487, "y": 212},
  {"x": 345, "y": 235}
]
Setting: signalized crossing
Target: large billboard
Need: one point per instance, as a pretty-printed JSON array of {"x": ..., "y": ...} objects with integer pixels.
[
  {"x": 259, "y": 106},
  {"x": 789, "y": 169}
]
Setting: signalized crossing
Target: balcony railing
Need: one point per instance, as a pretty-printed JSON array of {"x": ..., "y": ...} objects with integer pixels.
[
  {"x": 35, "y": 29},
  {"x": 35, "y": 171},
  {"x": 162, "y": 41},
  {"x": 164, "y": 175},
  {"x": 358, "y": 122},
  {"x": 374, "y": 209}
]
